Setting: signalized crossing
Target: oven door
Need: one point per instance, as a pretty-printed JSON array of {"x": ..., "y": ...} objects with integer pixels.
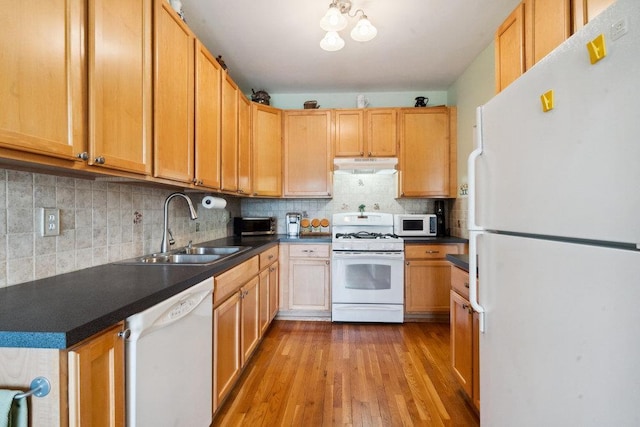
[{"x": 367, "y": 277}]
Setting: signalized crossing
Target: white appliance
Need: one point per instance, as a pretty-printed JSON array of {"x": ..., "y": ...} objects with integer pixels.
[
  {"x": 365, "y": 165},
  {"x": 415, "y": 225},
  {"x": 555, "y": 225},
  {"x": 169, "y": 368},
  {"x": 367, "y": 269}
]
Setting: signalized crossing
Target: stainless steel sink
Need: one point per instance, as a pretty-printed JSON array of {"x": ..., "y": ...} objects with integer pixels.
[
  {"x": 214, "y": 250},
  {"x": 196, "y": 255}
]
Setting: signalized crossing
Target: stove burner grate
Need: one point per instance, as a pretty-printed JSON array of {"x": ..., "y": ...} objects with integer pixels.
[{"x": 366, "y": 235}]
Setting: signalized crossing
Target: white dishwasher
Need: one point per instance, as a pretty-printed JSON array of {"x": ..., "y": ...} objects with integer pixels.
[{"x": 168, "y": 353}]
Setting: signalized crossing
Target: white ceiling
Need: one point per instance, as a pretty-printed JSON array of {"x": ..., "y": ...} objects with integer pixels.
[{"x": 274, "y": 44}]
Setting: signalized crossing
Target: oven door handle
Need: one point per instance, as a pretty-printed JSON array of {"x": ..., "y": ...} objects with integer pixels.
[{"x": 368, "y": 255}]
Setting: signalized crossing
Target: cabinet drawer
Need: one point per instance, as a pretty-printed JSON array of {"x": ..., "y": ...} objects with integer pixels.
[
  {"x": 269, "y": 256},
  {"x": 460, "y": 281},
  {"x": 309, "y": 251},
  {"x": 431, "y": 251},
  {"x": 229, "y": 281}
]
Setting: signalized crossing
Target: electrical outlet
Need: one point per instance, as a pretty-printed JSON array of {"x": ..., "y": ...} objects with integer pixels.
[
  {"x": 619, "y": 29},
  {"x": 50, "y": 222}
]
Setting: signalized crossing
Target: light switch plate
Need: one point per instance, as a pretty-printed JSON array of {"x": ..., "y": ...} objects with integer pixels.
[{"x": 49, "y": 222}]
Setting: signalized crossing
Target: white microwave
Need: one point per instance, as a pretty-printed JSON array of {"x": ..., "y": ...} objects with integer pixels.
[{"x": 416, "y": 225}]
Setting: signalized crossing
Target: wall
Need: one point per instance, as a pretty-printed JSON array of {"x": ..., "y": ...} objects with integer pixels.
[
  {"x": 100, "y": 222},
  {"x": 474, "y": 87},
  {"x": 348, "y": 99}
]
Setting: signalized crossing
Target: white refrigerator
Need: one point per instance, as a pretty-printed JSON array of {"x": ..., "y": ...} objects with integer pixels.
[{"x": 554, "y": 214}]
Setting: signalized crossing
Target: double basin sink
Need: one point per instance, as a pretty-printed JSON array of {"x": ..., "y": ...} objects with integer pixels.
[{"x": 190, "y": 255}]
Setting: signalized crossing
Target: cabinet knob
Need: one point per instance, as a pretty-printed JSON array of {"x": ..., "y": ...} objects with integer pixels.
[
  {"x": 83, "y": 156},
  {"x": 466, "y": 285},
  {"x": 362, "y": 154},
  {"x": 270, "y": 257},
  {"x": 240, "y": 191},
  {"x": 99, "y": 160},
  {"x": 327, "y": 262},
  {"x": 407, "y": 263},
  {"x": 370, "y": 154},
  {"x": 124, "y": 334}
]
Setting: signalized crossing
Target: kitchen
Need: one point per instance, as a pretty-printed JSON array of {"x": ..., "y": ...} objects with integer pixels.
[{"x": 114, "y": 204}]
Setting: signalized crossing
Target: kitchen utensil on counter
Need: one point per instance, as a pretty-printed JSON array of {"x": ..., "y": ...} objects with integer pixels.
[{"x": 292, "y": 222}]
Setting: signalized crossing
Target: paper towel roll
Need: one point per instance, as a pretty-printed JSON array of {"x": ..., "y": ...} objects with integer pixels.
[{"x": 210, "y": 202}]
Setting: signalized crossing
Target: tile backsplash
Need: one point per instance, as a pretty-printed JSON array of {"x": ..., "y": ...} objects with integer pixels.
[
  {"x": 376, "y": 192},
  {"x": 103, "y": 221},
  {"x": 100, "y": 222}
]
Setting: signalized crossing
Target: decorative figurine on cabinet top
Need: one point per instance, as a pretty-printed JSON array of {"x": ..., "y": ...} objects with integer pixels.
[
  {"x": 261, "y": 97},
  {"x": 421, "y": 101}
]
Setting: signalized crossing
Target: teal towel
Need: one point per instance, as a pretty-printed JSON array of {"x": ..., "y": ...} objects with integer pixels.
[{"x": 13, "y": 412}]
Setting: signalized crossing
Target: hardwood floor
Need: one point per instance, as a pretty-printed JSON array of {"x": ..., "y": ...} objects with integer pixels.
[{"x": 323, "y": 374}]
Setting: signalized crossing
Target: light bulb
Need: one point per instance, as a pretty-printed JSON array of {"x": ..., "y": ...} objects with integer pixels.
[
  {"x": 333, "y": 20},
  {"x": 332, "y": 41},
  {"x": 363, "y": 31}
]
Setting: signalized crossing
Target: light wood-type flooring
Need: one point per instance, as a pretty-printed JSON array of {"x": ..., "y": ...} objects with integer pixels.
[{"x": 339, "y": 374}]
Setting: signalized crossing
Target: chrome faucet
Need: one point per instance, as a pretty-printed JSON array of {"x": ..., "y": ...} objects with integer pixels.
[{"x": 165, "y": 230}]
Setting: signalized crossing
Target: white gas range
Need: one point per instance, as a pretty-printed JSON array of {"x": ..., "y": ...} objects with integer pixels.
[{"x": 367, "y": 274}]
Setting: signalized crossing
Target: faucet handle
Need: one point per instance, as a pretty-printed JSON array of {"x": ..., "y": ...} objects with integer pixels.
[
  {"x": 171, "y": 239},
  {"x": 189, "y": 244}
]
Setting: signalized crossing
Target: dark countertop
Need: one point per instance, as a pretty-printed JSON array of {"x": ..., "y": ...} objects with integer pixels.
[
  {"x": 459, "y": 260},
  {"x": 60, "y": 311}
]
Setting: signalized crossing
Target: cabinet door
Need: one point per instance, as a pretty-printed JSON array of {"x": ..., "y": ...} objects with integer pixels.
[
  {"x": 250, "y": 315},
  {"x": 585, "y": 10},
  {"x": 425, "y": 153},
  {"x": 274, "y": 290},
  {"x": 550, "y": 22},
  {"x": 96, "y": 380},
  {"x": 244, "y": 145},
  {"x": 226, "y": 347},
  {"x": 309, "y": 284},
  {"x": 264, "y": 300},
  {"x": 510, "y": 49},
  {"x": 462, "y": 341},
  {"x": 207, "y": 118},
  {"x": 266, "y": 123},
  {"x": 120, "y": 110},
  {"x": 380, "y": 132},
  {"x": 229, "y": 134},
  {"x": 307, "y": 153},
  {"x": 427, "y": 285},
  {"x": 349, "y": 133},
  {"x": 41, "y": 88},
  {"x": 173, "y": 148}
]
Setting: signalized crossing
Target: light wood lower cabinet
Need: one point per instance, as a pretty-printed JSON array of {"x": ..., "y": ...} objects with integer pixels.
[
  {"x": 96, "y": 380},
  {"x": 465, "y": 337},
  {"x": 306, "y": 280},
  {"x": 242, "y": 309},
  {"x": 427, "y": 277}
]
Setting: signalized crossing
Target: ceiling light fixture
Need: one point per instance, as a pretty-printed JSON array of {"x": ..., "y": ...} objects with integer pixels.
[{"x": 334, "y": 20}]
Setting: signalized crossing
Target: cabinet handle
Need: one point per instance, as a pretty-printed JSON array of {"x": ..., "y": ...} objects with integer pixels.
[
  {"x": 100, "y": 160},
  {"x": 432, "y": 252},
  {"x": 124, "y": 334},
  {"x": 327, "y": 262},
  {"x": 83, "y": 156},
  {"x": 468, "y": 308},
  {"x": 407, "y": 263},
  {"x": 270, "y": 256},
  {"x": 362, "y": 154},
  {"x": 272, "y": 269},
  {"x": 466, "y": 285},
  {"x": 370, "y": 154}
]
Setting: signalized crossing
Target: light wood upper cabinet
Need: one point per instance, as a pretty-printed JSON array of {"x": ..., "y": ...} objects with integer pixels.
[
  {"x": 349, "y": 133},
  {"x": 41, "y": 88},
  {"x": 428, "y": 152},
  {"x": 548, "y": 25},
  {"x": 366, "y": 132},
  {"x": 229, "y": 134},
  {"x": 207, "y": 118},
  {"x": 120, "y": 108},
  {"x": 307, "y": 153},
  {"x": 584, "y": 11},
  {"x": 96, "y": 380},
  {"x": 244, "y": 145},
  {"x": 380, "y": 132},
  {"x": 510, "y": 48},
  {"x": 266, "y": 123},
  {"x": 173, "y": 93}
]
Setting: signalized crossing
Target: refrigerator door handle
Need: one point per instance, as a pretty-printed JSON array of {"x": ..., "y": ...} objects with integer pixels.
[
  {"x": 473, "y": 277},
  {"x": 471, "y": 164}
]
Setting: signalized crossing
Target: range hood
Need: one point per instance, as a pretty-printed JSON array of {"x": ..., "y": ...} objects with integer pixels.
[{"x": 377, "y": 165}]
